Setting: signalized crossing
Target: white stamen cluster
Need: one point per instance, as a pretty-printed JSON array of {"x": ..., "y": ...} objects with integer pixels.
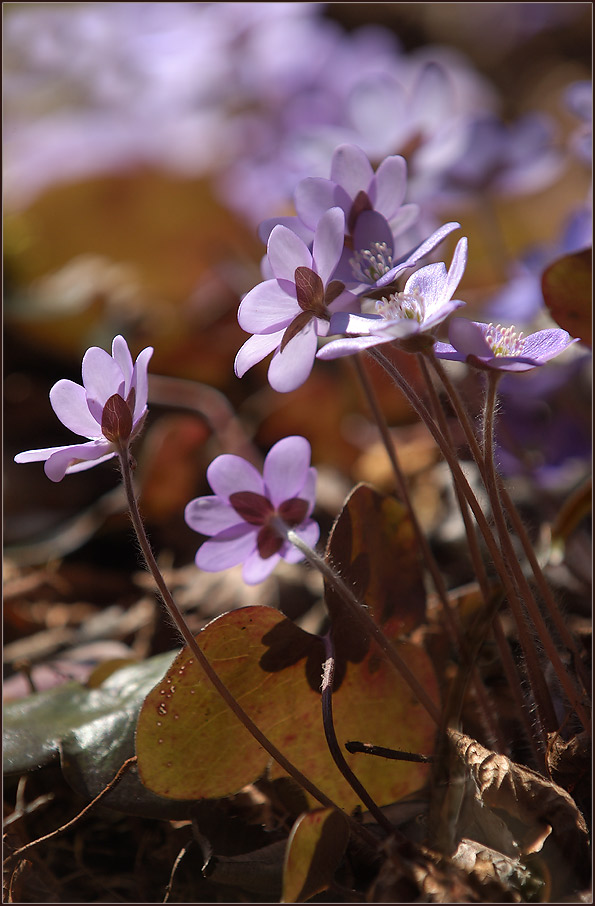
[
  {"x": 504, "y": 341},
  {"x": 368, "y": 265},
  {"x": 409, "y": 306}
]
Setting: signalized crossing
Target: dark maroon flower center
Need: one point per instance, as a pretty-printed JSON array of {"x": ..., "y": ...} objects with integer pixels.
[
  {"x": 255, "y": 509},
  {"x": 312, "y": 298}
]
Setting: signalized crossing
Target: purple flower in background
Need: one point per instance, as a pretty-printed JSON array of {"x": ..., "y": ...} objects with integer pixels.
[
  {"x": 109, "y": 409},
  {"x": 288, "y": 313},
  {"x": 497, "y": 348},
  {"x": 425, "y": 302},
  {"x": 242, "y": 518}
]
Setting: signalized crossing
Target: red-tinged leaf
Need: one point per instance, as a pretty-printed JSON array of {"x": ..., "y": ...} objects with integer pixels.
[
  {"x": 374, "y": 548},
  {"x": 315, "y": 848},
  {"x": 190, "y": 745},
  {"x": 567, "y": 287},
  {"x": 116, "y": 419}
]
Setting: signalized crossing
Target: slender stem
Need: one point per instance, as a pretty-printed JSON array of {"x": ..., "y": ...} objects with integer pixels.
[
  {"x": 332, "y": 742},
  {"x": 192, "y": 643},
  {"x": 365, "y": 621},
  {"x": 494, "y": 487}
]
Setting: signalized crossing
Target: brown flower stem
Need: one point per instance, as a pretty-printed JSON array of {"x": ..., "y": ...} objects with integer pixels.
[
  {"x": 437, "y": 579},
  {"x": 494, "y": 487},
  {"x": 365, "y": 621},
  {"x": 333, "y": 744},
  {"x": 191, "y": 641},
  {"x": 495, "y": 552}
]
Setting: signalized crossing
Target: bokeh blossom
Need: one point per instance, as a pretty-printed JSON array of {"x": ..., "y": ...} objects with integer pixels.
[
  {"x": 289, "y": 312},
  {"x": 496, "y": 348},
  {"x": 425, "y": 302},
  {"x": 109, "y": 409},
  {"x": 243, "y": 517}
]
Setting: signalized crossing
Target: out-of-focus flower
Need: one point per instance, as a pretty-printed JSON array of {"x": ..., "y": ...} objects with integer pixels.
[
  {"x": 497, "y": 348},
  {"x": 246, "y": 516},
  {"x": 579, "y": 101},
  {"x": 288, "y": 313},
  {"x": 109, "y": 409},
  {"x": 425, "y": 303}
]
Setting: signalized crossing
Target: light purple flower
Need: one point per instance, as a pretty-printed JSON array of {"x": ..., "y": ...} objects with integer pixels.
[
  {"x": 289, "y": 312},
  {"x": 497, "y": 348},
  {"x": 425, "y": 302},
  {"x": 241, "y": 517},
  {"x": 109, "y": 409}
]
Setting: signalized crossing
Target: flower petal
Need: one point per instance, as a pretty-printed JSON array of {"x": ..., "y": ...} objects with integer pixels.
[
  {"x": 545, "y": 344},
  {"x": 313, "y": 197},
  {"x": 77, "y": 458},
  {"x": 267, "y": 308},
  {"x": 328, "y": 243},
  {"x": 69, "y": 402},
  {"x": 349, "y": 346},
  {"x": 102, "y": 377},
  {"x": 286, "y": 469},
  {"x": 226, "y": 549},
  {"x": 389, "y": 185},
  {"x": 228, "y": 474},
  {"x": 351, "y": 169},
  {"x": 256, "y": 569},
  {"x": 468, "y": 338},
  {"x": 291, "y": 368},
  {"x": 309, "y": 532},
  {"x": 416, "y": 254},
  {"x": 210, "y": 515},
  {"x": 140, "y": 381},
  {"x": 121, "y": 355},
  {"x": 254, "y": 350},
  {"x": 286, "y": 251}
]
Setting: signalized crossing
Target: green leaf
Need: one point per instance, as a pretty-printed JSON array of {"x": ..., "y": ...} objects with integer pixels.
[
  {"x": 567, "y": 286},
  {"x": 315, "y": 848},
  {"x": 92, "y": 732}
]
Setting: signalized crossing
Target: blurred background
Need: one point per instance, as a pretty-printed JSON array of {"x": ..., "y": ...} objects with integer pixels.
[{"x": 145, "y": 142}]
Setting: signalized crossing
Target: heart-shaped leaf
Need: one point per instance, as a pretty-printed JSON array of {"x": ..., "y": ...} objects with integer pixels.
[{"x": 567, "y": 287}]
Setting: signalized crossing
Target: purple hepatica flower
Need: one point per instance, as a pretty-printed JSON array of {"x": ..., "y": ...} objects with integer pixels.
[
  {"x": 109, "y": 409},
  {"x": 243, "y": 516},
  {"x": 288, "y": 313},
  {"x": 496, "y": 348},
  {"x": 425, "y": 303}
]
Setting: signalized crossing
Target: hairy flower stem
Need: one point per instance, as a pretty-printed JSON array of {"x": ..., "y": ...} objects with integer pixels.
[
  {"x": 333, "y": 744},
  {"x": 211, "y": 674},
  {"x": 364, "y": 620},
  {"x": 439, "y": 584},
  {"x": 496, "y": 491},
  {"x": 495, "y": 552}
]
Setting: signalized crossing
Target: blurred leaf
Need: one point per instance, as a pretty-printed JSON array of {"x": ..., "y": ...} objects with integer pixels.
[
  {"x": 315, "y": 848},
  {"x": 189, "y": 744},
  {"x": 576, "y": 508},
  {"x": 567, "y": 286}
]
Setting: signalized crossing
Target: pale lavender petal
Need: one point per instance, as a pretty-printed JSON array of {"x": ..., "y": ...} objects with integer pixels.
[
  {"x": 226, "y": 549},
  {"x": 140, "y": 381},
  {"x": 254, "y": 350},
  {"x": 286, "y": 251},
  {"x": 308, "y": 492},
  {"x": 351, "y": 169},
  {"x": 346, "y": 322},
  {"x": 294, "y": 224},
  {"x": 84, "y": 465},
  {"x": 457, "y": 267},
  {"x": 349, "y": 346},
  {"x": 210, "y": 515},
  {"x": 328, "y": 243},
  {"x": 389, "y": 185},
  {"x": 403, "y": 219},
  {"x": 545, "y": 344},
  {"x": 313, "y": 197},
  {"x": 66, "y": 459},
  {"x": 39, "y": 455},
  {"x": 69, "y": 402},
  {"x": 267, "y": 308},
  {"x": 229, "y": 473},
  {"x": 441, "y": 313},
  {"x": 447, "y": 352},
  {"x": 291, "y": 368},
  {"x": 371, "y": 227},
  {"x": 429, "y": 281},
  {"x": 412, "y": 257},
  {"x": 286, "y": 469},
  {"x": 121, "y": 354},
  {"x": 309, "y": 532},
  {"x": 468, "y": 338},
  {"x": 257, "y": 570},
  {"x": 102, "y": 377}
]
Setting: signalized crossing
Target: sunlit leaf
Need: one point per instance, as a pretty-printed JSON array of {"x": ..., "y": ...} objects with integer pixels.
[{"x": 314, "y": 849}]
